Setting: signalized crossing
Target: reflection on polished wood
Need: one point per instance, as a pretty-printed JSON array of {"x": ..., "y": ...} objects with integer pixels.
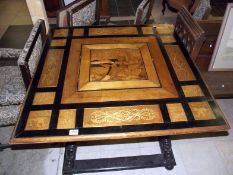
[
  {"x": 182, "y": 69},
  {"x": 165, "y": 29},
  {"x": 118, "y": 116},
  {"x": 51, "y": 69},
  {"x": 147, "y": 30}
]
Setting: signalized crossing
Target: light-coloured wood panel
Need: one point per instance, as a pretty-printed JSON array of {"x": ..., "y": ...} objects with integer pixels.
[
  {"x": 192, "y": 91},
  {"x": 201, "y": 110},
  {"x": 58, "y": 42},
  {"x": 38, "y": 120},
  {"x": 78, "y": 32},
  {"x": 66, "y": 119},
  {"x": 51, "y": 69},
  {"x": 176, "y": 112},
  {"x": 168, "y": 39},
  {"x": 118, "y": 116},
  {"x": 165, "y": 29},
  {"x": 113, "y": 31},
  {"x": 60, "y": 33},
  {"x": 42, "y": 98},
  {"x": 147, "y": 30},
  {"x": 179, "y": 63}
]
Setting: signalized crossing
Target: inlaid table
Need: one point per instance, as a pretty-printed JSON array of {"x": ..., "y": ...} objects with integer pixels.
[{"x": 115, "y": 82}]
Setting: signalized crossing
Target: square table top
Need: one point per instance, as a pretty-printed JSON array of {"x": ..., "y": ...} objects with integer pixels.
[{"x": 113, "y": 82}]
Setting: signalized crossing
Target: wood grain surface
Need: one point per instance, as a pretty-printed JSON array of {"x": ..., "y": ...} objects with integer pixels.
[
  {"x": 182, "y": 69},
  {"x": 176, "y": 112},
  {"x": 44, "y": 98},
  {"x": 38, "y": 120},
  {"x": 167, "y": 106},
  {"x": 113, "y": 31},
  {"x": 66, "y": 119},
  {"x": 51, "y": 69},
  {"x": 60, "y": 33}
]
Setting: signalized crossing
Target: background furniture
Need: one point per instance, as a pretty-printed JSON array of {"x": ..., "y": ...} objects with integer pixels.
[
  {"x": 15, "y": 80},
  {"x": 200, "y": 9},
  {"x": 52, "y": 6},
  {"x": 143, "y": 12},
  {"x": 189, "y": 32},
  {"x": 79, "y": 13},
  {"x": 142, "y": 15},
  {"x": 220, "y": 83},
  {"x": 176, "y": 5}
]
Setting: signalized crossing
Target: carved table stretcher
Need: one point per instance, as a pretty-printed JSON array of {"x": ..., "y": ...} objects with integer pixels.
[{"x": 115, "y": 82}]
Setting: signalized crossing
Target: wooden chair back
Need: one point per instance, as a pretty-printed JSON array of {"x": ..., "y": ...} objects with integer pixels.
[
  {"x": 143, "y": 12},
  {"x": 31, "y": 53},
  {"x": 202, "y": 10},
  {"x": 189, "y": 32},
  {"x": 79, "y": 13}
]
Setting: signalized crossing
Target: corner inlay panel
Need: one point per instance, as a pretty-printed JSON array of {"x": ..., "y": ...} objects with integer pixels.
[{"x": 38, "y": 120}]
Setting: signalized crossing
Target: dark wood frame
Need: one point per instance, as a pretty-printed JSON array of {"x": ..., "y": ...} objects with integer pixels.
[
  {"x": 164, "y": 159},
  {"x": 192, "y": 34},
  {"x": 25, "y": 68},
  {"x": 77, "y": 8},
  {"x": 87, "y": 2},
  {"x": 139, "y": 18}
]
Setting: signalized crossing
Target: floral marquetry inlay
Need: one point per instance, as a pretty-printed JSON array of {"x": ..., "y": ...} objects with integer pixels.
[{"x": 117, "y": 116}]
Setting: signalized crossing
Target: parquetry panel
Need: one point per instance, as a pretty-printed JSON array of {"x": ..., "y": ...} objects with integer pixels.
[{"x": 95, "y": 83}]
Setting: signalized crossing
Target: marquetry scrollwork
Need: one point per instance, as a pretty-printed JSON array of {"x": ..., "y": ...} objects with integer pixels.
[{"x": 119, "y": 116}]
